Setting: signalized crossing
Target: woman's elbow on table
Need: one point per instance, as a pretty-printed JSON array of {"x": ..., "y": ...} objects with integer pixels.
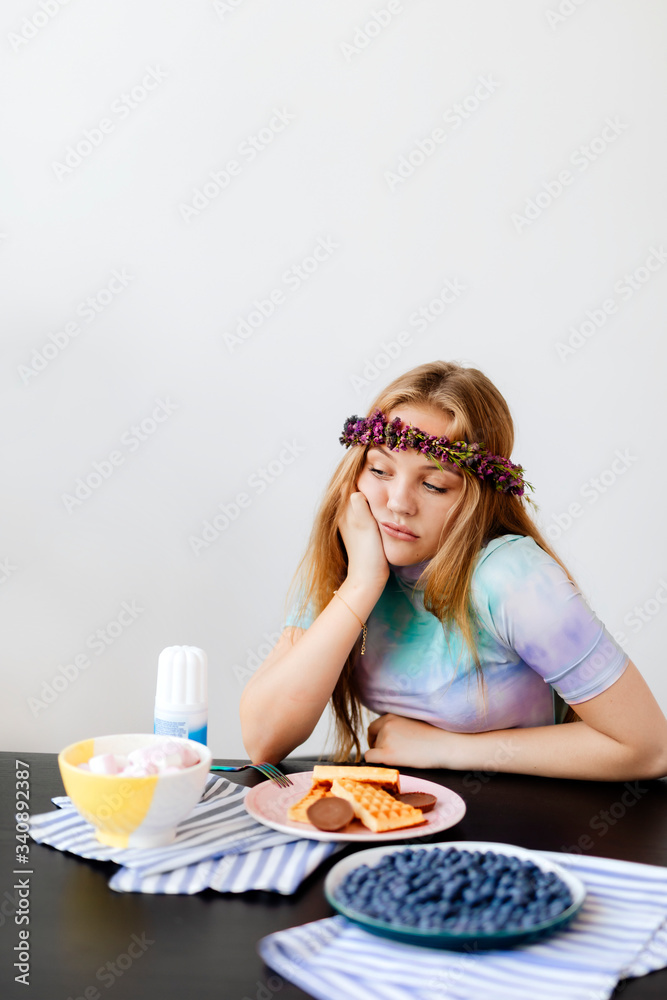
[
  {"x": 652, "y": 765},
  {"x": 266, "y": 751},
  {"x": 256, "y": 737},
  {"x": 629, "y": 714}
]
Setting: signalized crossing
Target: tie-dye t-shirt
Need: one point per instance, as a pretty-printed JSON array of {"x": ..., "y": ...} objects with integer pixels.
[{"x": 539, "y": 645}]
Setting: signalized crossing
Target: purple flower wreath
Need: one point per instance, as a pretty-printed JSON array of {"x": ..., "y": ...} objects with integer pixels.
[{"x": 499, "y": 472}]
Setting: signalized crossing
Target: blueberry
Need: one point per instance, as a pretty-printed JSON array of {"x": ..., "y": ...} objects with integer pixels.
[
  {"x": 455, "y": 890},
  {"x": 420, "y": 879},
  {"x": 399, "y": 888}
]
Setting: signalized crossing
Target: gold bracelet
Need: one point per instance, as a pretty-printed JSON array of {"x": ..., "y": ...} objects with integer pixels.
[{"x": 364, "y": 630}]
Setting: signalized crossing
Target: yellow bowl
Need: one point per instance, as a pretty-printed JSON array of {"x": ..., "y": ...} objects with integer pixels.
[{"x": 127, "y": 811}]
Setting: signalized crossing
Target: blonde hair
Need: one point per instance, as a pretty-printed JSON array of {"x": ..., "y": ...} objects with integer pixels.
[{"x": 478, "y": 412}]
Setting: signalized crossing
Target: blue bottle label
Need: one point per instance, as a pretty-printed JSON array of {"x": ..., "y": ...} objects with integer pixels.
[
  {"x": 199, "y": 735},
  {"x": 163, "y": 727}
]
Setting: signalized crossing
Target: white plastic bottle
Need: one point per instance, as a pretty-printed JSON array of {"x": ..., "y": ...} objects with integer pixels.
[{"x": 181, "y": 697}]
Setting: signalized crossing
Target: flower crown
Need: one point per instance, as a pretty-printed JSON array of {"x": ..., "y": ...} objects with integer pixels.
[{"x": 493, "y": 469}]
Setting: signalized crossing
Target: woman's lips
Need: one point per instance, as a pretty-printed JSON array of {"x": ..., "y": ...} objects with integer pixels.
[{"x": 395, "y": 531}]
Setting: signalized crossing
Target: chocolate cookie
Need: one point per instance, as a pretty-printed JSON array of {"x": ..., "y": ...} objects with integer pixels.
[
  {"x": 330, "y": 813},
  {"x": 419, "y": 800}
]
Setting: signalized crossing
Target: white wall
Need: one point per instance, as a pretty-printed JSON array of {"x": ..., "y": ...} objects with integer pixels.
[{"x": 351, "y": 103}]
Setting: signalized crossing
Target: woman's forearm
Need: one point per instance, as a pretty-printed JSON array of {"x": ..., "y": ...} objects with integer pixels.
[
  {"x": 282, "y": 703},
  {"x": 573, "y": 750},
  {"x": 622, "y": 736}
]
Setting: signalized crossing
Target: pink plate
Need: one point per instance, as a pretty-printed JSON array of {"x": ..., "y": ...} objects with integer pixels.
[{"x": 268, "y": 803}]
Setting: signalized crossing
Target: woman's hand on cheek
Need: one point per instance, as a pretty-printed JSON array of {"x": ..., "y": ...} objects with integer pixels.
[
  {"x": 398, "y": 741},
  {"x": 366, "y": 561}
]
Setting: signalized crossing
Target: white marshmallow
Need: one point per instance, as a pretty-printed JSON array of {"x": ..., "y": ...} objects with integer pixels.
[
  {"x": 163, "y": 757},
  {"x": 190, "y": 755},
  {"x": 104, "y": 763},
  {"x": 140, "y": 757},
  {"x": 139, "y": 770},
  {"x": 167, "y": 754}
]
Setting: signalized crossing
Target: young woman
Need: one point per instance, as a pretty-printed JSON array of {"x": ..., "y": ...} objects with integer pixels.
[{"x": 428, "y": 595}]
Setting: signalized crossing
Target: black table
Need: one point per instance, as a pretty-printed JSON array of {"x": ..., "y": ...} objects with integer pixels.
[{"x": 203, "y": 946}]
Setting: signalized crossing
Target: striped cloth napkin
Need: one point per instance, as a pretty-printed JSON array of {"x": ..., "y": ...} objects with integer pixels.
[
  {"x": 276, "y": 869},
  {"x": 620, "y": 932},
  {"x": 219, "y": 846}
]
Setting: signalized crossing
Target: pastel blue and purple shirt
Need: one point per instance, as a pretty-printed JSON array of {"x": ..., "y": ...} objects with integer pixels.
[{"x": 539, "y": 644}]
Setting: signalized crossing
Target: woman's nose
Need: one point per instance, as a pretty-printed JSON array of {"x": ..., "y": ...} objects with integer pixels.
[{"x": 400, "y": 499}]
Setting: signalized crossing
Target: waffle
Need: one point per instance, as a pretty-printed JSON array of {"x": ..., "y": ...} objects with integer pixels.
[
  {"x": 383, "y": 777},
  {"x": 376, "y": 809},
  {"x": 297, "y": 812}
]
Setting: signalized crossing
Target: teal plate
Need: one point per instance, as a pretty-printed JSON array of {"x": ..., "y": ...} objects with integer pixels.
[{"x": 443, "y": 939}]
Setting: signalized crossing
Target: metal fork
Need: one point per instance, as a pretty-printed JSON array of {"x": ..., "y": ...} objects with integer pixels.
[{"x": 268, "y": 770}]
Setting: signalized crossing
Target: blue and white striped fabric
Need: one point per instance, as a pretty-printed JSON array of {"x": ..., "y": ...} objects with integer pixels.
[
  {"x": 219, "y": 845},
  {"x": 620, "y": 932},
  {"x": 276, "y": 869}
]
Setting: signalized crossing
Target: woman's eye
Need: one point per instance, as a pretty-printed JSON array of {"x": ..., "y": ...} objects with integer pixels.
[{"x": 381, "y": 473}]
